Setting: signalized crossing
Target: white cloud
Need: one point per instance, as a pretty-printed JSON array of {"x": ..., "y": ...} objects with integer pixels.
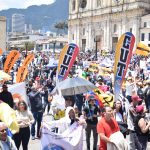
[{"x": 5, "y": 4}]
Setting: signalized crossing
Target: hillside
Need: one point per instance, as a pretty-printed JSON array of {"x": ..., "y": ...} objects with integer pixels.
[{"x": 39, "y": 16}]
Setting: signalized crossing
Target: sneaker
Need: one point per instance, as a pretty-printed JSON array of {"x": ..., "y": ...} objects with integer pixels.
[{"x": 33, "y": 138}]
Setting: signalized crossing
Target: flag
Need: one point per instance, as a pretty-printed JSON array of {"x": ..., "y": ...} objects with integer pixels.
[
  {"x": 104, "y": 99},
  {"x": 28, "y": 60},
  {"x": 71, "y": 139},
  {"x": 10, "y": 60},
  {"x": 1, "y": 51},
  {"x": 66, "y": 60},
  {"x": 123, "y": 56},
  {"x": 21, "y": 74},
  {"x": 8, "y": 116},
  {"x": 142, "y": 49}
]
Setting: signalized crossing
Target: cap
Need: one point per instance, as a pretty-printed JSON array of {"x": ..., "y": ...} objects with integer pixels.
[
  {"x": 37, "y": 78},
  {"x": 139, "y": 109},
  {"x": 2, "y": 126},
  {"x": 91, "y": 97},
  {"x": 136, "y": 98}
]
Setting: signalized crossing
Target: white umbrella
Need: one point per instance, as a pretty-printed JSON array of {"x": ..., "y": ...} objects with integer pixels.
[{"x": 73, "y": 86}]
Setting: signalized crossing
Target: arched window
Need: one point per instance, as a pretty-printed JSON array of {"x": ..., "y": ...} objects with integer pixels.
[
  {"x": 115, "y": 28},
  {"x": 73, "y": 5}
]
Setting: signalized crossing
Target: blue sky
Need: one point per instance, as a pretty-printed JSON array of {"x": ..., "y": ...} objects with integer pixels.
[{"x": 6, "y": 4}]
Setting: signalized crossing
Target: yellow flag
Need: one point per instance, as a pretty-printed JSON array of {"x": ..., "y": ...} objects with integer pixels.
[
  {"x": 142, "y": 49},
  {"x": 8, "y": 116}
]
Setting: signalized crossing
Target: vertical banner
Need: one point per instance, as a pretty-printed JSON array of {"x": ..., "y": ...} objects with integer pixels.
[
  {"x": 123, "y": 56},
  {"x": 1, "y": 51},
  {"x": 21, "y": 74},
  {"x": 66, "y": 60},
  {"x": 10, "y": 60},
  {"x": 28, "y": 60}
]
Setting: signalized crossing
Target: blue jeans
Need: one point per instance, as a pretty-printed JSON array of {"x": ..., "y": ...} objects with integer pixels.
[{"x": 38, "y": 118}]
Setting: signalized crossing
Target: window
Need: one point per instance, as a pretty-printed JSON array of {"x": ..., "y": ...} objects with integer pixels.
[
  {"x": 73, "y": 5},
  {"x": 149, "y": 36},
  {"x": 83, "y": 3},
  {"x": 83, "y": 31},
  {"x": 142, "y": 37},
  {"x": 145, "y": 24},
  {"x": 131, "y": 30},
  {"x": 115, "y": 28}
]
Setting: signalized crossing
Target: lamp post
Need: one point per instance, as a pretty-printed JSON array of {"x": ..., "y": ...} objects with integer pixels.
[
  {"x": 96, "y": 40},
  {"x": 54, "y": 46},
  {"x": 26, "y": 46}
]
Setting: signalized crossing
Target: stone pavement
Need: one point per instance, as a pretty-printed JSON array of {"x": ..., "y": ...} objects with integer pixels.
[{"x": 35, "y": 144}]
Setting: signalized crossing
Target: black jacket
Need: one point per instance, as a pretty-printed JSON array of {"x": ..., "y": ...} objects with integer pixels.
[
  {"x": 35, "y": 101},
  {"x": 7, "y": 98}
]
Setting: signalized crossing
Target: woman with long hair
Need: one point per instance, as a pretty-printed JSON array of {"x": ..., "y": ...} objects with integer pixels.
[
  {"x": 120, "y": 116},
  {"x": 25, "y": 119}
]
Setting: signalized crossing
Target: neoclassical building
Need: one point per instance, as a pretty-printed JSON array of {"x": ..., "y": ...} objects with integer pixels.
[{"x": 104, "y": 21}]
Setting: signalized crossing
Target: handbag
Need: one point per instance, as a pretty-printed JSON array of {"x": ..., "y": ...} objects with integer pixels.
[{"x": 123, "y": 127}]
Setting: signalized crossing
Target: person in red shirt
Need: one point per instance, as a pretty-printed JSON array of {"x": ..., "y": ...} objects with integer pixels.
[{"x": 106, "y": 127}]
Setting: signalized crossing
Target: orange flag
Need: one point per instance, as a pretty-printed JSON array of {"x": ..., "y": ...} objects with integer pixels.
[
  {"x": 21, "y": 74},
  {"x": 28, "y": 60},
  {"x": 1, "y": 51},
  {"x": 10, "y": 60}
]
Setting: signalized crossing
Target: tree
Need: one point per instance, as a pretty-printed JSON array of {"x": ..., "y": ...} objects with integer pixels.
[{"x": 61, "y": 26}]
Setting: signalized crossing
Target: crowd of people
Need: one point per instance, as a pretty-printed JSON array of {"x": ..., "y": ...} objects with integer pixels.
[{"x": 129, "y": 114}]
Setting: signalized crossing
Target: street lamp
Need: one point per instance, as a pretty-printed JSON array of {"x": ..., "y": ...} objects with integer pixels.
[
  {"x": 96, "y": 40},
  {"x": 26, "y": 46}
]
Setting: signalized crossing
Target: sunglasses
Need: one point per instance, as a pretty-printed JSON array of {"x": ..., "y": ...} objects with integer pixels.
[{"x": 3, "y": 131}]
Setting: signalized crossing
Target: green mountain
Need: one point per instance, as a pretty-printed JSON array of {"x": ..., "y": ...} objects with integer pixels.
[{"x": 41, "y": 16}]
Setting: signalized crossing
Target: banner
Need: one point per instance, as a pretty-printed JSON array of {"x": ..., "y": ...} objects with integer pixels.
[
  {"x": 66, "y": 60},
  {"x": 18, "y": 92},
  {"x": 123, "y": 56},
  {"x": 104, "y": 98},
  {"x": 1, "y": 51},
  {"x": 71, "y": 139},
  {"x": 28, "y": 60},
  {"x": 21, "y": 74},
  {"x": 142, "y": 49},
  {"x": 10, "y": 60},
  {"x": 8, "y": 116}
]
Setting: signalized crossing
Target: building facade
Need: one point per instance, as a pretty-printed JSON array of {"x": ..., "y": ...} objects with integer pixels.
[
  {"x": 102, "y": 22},
  {"x": 145, "y": 30},
  {"x": 3, "y": 33},
  {"x": 18, "y": 23}
]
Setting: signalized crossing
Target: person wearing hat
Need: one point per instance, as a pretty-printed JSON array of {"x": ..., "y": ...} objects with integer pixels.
[
  {"x": 6, "y": 96},
  {"x": 91, "y": 116},
  {"x": 6, "y": 143},
  {"x": 141, "y": 127},
  {"x": 130, "y": 121}
]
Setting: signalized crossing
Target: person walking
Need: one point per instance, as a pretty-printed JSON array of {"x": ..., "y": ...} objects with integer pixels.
[
  {"x": 37, "y": 109},
  {"x": 91, "y": 116},
  {"x": 25, "y": 119}
]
